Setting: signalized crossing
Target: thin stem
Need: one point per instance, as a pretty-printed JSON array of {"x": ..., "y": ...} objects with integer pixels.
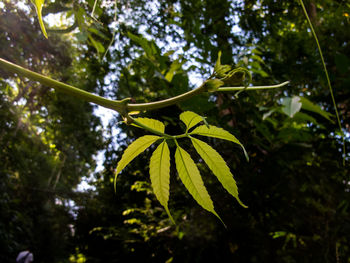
[
  {"x": 166, "y": 102},
  {"x": 59, "y": 86},
  {"x": 327, "y": 77},
  {"x": 253, "y": 87},
  {"x": 120, "y": 106},
  {"x": 93, "y": 8},
  {"x": 114, "y": 30},
  {"x": 202, "y": 88},
  {"x": 181, "y": 136}
]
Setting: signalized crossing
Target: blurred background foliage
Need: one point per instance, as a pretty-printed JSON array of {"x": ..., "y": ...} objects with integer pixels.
[{"x": 295, "y": 184}]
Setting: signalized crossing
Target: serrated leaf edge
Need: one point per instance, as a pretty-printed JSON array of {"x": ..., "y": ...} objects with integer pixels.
[
  {"x": 234, "y": 139},
  {"x": 180, "y": 154},
  {"x": 220, "y": 176},
  {"x": 153, "y": 162},
  {"x": 156, "y": 124},
  {"x": 189, "y": 125},
  {"x": 122, "y": 163}
]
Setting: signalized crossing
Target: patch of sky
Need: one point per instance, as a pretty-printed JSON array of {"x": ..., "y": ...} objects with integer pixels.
[
  {"x": 58, "y": 20},
  {"x": 21, "y": 4}
]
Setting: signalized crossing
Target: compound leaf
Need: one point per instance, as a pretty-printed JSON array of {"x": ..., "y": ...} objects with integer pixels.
[
  {"x": 152, "y": 123},
  {"x": 134, "y": 149},
  {"x": 159, "y": 169},
  {"x": 190, "y": 119},
  {"x": 39, "y": 6},
  {"x": 217, "y": 132},
  {"x": 218, "y": 166},
  {"x": 191, "y": 178}
]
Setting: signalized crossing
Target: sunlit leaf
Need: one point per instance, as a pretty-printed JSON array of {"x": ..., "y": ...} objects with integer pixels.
[
  {"x": 291, "y": 106},
  {"x": 39, "y": 6},
  {"x": 152, "y": 123},
  {"x": 176, "y": 65},
  {"x": 133, "y": 150},
  {"x": 190, "y": 177},
  {"x": 218, "y": 166},
  {"x": 217, "y": 132},
  {"x": 159, "y": 169},
  {"x": 190, "y": 119}
]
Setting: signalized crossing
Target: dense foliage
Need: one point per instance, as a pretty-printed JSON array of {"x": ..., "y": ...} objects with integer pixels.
[{"x": 295, "y": 184}]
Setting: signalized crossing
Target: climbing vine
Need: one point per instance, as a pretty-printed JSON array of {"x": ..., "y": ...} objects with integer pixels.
[{"x": 224, "y": 78}]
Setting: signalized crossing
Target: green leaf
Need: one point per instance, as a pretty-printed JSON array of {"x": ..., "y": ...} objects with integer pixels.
[
  {"x": 301, "y": 117},
  {"x": 190, "y": 177},
  {"x": 236, "y": 76},
  {"x": 39, "y": 6},
  {"x": 143, "y": 42},
  {"x": 97, "y": 44},
  {"x": 258, "y": 58},
  {"x": 220, "y": 133},
  {"x": 213, "y": 84},
  {"x": 218, "y": 62},
  {"x": 191, "y": 119},
  {"x": 159, "y": 170},
  {"x": 98, "y": 33},
  {"x": 291, "y": 106},
  {"x": 268, "y": 114},
  {"x": 134, "y": 149},
  {"x": 218, "y": 166},
  {"x": 309, "y": 106},
  {"x": 221, "y": 70},
  {"x": 176, "y": 65},
  {"x": 152, "y": 123}
]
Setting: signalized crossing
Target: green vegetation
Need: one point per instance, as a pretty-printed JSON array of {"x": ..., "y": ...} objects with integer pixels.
[{"x": 141, "y": 59}]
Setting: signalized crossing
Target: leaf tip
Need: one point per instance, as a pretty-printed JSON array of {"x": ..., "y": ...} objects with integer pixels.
[
  {"x": 170, "y": 217},
  {"x": 240, "y": 202},
  {"x": 219, "y": 218},
  {"x": 245, "y": 153},
  {"x": 115, "y": 183}
]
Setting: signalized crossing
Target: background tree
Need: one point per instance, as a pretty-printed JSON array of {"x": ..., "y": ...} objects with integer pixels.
[
  {"x": 295, "y": 184},
  {"x": 47, "y": 140}
]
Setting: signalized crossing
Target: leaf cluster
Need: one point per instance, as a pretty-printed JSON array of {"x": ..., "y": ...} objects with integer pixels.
[{"x": 185, "y": 166}]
